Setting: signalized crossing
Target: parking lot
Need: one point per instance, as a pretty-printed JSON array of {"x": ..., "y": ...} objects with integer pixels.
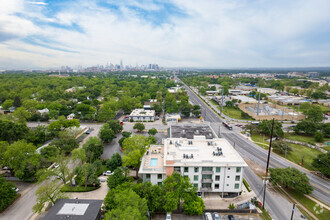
[{"x": 202, "y": 217}]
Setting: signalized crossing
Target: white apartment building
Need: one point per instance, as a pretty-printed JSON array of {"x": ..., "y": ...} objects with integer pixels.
[
  {"x": 194, "y": 150},
  {"x": 142, "y": 115}
]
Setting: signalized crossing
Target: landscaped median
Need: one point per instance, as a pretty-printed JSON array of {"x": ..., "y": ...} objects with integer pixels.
[{"x": 68, "y": 188}]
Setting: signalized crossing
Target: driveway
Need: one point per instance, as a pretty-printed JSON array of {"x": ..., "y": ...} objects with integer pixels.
[{"x": 99, "y": 193}]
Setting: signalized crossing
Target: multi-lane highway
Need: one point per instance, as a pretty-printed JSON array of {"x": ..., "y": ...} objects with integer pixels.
[{"x": 280, "y": 209}]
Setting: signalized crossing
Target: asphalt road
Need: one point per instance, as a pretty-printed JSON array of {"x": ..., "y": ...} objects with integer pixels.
[{"x": 279, "y": 210}]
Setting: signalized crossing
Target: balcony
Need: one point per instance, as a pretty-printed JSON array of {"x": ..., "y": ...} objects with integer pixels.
[
  {"x": 207, "y": 172},
  {"x": 206, "y": 189},
  {"x": 207, "y": 180}
]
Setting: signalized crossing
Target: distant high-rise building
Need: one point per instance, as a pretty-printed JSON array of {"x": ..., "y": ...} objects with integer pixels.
[{"x": 121, "y": 64}]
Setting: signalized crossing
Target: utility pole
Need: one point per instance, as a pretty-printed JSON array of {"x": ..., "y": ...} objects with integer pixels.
[
  {"x": 219, "y": 130},
  {"x": 294, "y": 206},
  {"x": 258, "y": 104},
  {"x": 266, "y": 177},
  {"x": 222, "y": 101}
]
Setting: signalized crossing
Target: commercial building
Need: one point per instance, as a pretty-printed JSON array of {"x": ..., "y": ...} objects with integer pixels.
[
  {"x": 267, "y": 91},
  {"x": 172, "y": 117},
  {"x": 78, "y": 209},
  {"x": 142, "y": 115},
  {"x": 244, "y": 99},
  {"x": 194, "y": 150}
]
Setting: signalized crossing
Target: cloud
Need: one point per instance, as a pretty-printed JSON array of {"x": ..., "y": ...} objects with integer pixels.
[{"x": 215, "y": 33}]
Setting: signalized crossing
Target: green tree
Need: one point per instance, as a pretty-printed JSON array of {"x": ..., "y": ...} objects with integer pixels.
[
  {"x": 193, "y": 205},
  {"x": 291, "y": 178},
  {"x": 281, "y": 147},
  {"x": 157, "y": 107},
  {"x": 134, "y": 149},
  {"x": 106, "y": 134},
  {"x": 117, "y": 178},
  {"x": 152, "y": 131},
  {"x": 22, "y": 114},
  {"x": 115, "y": 125},
  {"x": 322, "y": 163},
  {"x": 315, "y": 114},
  {"x": 93, "y": 149},
  {"x": 87, "y": 175},
  {"x": 128, "y": 205},
  {"x": 114, "y": 162},
  {"x": 7, "y": 192},
  {"x": 79, "y": 154},
  {"x": 318, "y": 136},
  {"x": 48, "y": 192},
  {"x": 229, "y": 104},
  {"x": 7, "y": 104},
  {"x": 17, "y": 102},
  {"x": 107, "y": 111},
  {"x": 3, "y": 148},
  {"x": 197, "y": 113},
  {"x": 139, "y": 126},
  {"x": 22, "y": 158},
  {"x": 152, "y": 139},
  {"x": 202, "y": 91},
  {"x": 49, "y": 152},
  {"x": 265, "y": 127},
  {"x": 65, "y": 145},
  {"x": 10, "y": 131},
  {"x": 307, "y": 127}
]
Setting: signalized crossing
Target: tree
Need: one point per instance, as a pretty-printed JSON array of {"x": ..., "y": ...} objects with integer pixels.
[
  {"x": 3, "y": 148},
  {"x": 196, "y": 107},
  {"x": 7, "y": 104},
  {"x": 265, "y": 127},
  {"x": 157, "y": 107},
  {"x": 197, "y": 113},
  {"x": 106, "y": 134},
  {"x": 93, "y": 149},
  {"x": 86, "y": 175},
  {"x": 7, "y": 192},
  {"x": 322, "y": 163},
  {"x": 49, "y": 152},
  {"x": 291, "y": 178},
  {"x": 152, "y": 131},
  {"x": 117, "y": 178},
  {"x": 114, "y": 162},
  {"x": 202, "y": 91},
  {"x": 139, "y": 126},
  {"x": 281, "y": 147},
  {"x": 107, "y": 111},
  {"x": 193, "y": 205},
  {"x": 128, "y": 205},
  {"x": 318, "y": 136},
  {"x": 79, "y": 154},
  {"x": 115, "y": 125},
  {"x": 229, "y": 104},
  {"x": 48, "y": 192},
  {"x": 307, "y": 127},
  {"x": 10, "y": 131},
  {"x": 17, "y": 102},
  {"x": 315, "y": 114},
  {"x": 22, "y": 158},
  {"x": 134, "y": 149},
  {"x": 152, "y": 139},
  {"x": 325, "y": 128},
  {"x": 65, "y": 145}
]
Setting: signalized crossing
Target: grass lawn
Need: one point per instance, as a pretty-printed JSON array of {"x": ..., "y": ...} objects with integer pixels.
[
  {"x": 67, "y": 188},
  {"x": 234, "y": 112},
  {"x": 298, "y": 152},
  {"x": 309, "y": 204},
  {"x": 327, "y": 148},
  {"x": 302, "y": 138}
]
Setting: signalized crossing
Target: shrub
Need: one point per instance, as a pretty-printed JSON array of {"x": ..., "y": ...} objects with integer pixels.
[{"x": 318, "y": 136}]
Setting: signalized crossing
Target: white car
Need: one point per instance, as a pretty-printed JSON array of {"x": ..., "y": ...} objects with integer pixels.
[
  {"x": 208, "y": 216},
  {"x": 16, "y": 189},
  {"x": 168, "y": 216},
  {"x": 107, "y": 173}
]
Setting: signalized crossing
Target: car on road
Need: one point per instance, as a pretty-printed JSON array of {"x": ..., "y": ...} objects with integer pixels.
[
  {"x": 90, "y": 130},
  {"x": 16, "y": 189},
  {"x": 168, "y": 216},
  {"x": 231, "y": 217},
  {"x": 107, "y": 173},
  {"x": 328, "y": 114},
  {"x": 216, "y": 216},
  {"x": 239, "y": 125},
  {"x": 122, "y": 122},
  {"x": 208, "y": 216},
  {"x": 5, "y": 168}
]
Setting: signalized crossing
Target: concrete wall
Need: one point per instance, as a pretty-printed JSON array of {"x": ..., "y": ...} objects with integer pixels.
[{"x": 243, "y": 106}]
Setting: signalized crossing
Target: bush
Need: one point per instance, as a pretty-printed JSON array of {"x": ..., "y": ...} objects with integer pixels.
[
  {"x": 318, "y": 136},
  {"x": 68, "y": 188},
  {"x": 139, "y": 126},
  {"x": 231, "y": 206},
  {"x": 7, "y": 192},
  {"x": 152, "y": 131}
]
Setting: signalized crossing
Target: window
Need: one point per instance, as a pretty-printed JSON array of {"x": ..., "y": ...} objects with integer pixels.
[
  {"x": 237, "y": 178},
  {"x": 190, "y": 142},
  {"x": 206, "y": 176},
  {"x": 228, "y": 168},
  {"x": 160, "y": 176},
  {"x": 236, "y": 185},
  {"x": 186, "y": 169},
  {"x": 217, "y": 178},
  {"x": 177, "y": 169},
  {"x": 196, "y": 178},
  {"x": 196, "y": 169},
  {"x": 217, "y": 169},
  {"x": 147, "y": 176},
  {"x": 159, "y": 183},
  {"x": 206, "y": 168},
  {"x": 185, "y": 176},
  {"x": 238, "y": 169},
  {"x": 228, "y": 176},
  {"x": 196, "y": 185},
  {"x": 227, "y": 184},
  {"x": 144, "y": 117},
  {"x": 216, "y": 186}
]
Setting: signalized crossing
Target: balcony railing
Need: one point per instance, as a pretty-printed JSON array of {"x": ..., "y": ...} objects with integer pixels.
[
  {"x": 207, "y": 180},
  {"x": 206, "y": 189},
  {"x": 207, "y": 172}
]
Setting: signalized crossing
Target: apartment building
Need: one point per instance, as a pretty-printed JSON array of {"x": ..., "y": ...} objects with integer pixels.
[{"x": 195, "y": 151}]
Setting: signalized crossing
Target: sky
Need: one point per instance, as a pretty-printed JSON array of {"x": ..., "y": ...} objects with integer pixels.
[{"x": 172, "y": 33}]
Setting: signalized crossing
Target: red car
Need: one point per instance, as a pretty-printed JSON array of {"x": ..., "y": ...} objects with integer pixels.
[{"x": 328, "y": 114}]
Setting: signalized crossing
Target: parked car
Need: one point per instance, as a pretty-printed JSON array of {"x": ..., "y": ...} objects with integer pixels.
[
  {"x": 231, "y": 217},
  {"x": 5, "y": 168},
  {"x": 216, "y": 216},
  {"x": 16, "y": 189},
  {"x": 122, "y": 122},
  {"x": 208, "y": 216},
  {"x": 168, "y": 216},
  {"x": 107, "y": 173}
]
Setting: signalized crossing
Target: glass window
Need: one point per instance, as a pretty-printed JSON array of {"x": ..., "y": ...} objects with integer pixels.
[
  {"x": 185, "y": 176},
  {"x": 228, "y": 176},
  {"x": 159, "y": 183},
  {"x": 236, "y": 185},
  {"x": 206, "y": 168},
  {"x": 160, "y": 176},
  {"x": 216, "y": 186},
  {"x": 238, "y": 169},
  {"x": 186, "y": 169},
  {"x": 217, "y": 178},
  {"x": 227, "y": 184},
  {"x": 148, "y": 176},
  {"x": 196, "y": 185},
  {"x": 196, "y": 169},
  {"x": 196, "y": 178},
  {"x": 207, "y": 176},
  {"x": 237, "y": 178},
  {"x": 217, "y": 169},
  {"x": 177, "y": 169},
  {"x": 228, "y": 168}
]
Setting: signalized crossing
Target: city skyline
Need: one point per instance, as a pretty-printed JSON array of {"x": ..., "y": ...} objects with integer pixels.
[{"x": 217, "y": 34}]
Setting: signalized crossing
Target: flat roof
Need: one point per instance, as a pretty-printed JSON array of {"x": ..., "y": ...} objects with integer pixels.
[
  {"x": 190, "y": 131},
  {"x": 78, "y": 209},
  {"x": 156, "y": 153},
  {"x": 142, "y": 112}
]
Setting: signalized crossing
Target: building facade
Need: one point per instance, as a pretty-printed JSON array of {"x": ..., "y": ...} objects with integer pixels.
[
  {"x": 211, "y": 163},
  {"x": 142, "y": 115}
]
